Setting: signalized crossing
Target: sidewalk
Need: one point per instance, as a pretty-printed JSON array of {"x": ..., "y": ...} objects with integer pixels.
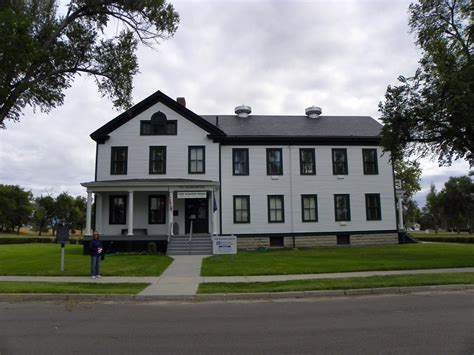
[{"x": 182, "y": 277}]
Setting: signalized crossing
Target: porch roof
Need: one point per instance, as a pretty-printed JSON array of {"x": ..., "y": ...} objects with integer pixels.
[{"x": 149, "y": 183}]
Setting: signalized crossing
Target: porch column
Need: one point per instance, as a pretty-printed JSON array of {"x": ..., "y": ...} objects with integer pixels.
[
  {"x": 98, "y": 212},
  {"x": 89, "y": 213},
  {"x": 130, "y": 213},
  {"x": 400, "y": 214},
  {"x": 170, "y": 212}
]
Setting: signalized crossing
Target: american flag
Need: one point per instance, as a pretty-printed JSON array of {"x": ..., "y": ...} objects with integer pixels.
[{"x": 170, "y": 200}]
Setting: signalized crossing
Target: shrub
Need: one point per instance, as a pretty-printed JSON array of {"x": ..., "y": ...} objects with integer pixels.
[
  {"x": 446, "y": 239},
  {"x": 24, "y": 240},
  {"x": 151, "y": 248}
]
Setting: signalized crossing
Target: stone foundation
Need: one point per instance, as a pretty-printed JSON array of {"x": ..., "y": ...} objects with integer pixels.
[
  {"x": 374, "y": 239},
  {"x": 312, "y": 241},
  {"x": 253, "y": 243}
]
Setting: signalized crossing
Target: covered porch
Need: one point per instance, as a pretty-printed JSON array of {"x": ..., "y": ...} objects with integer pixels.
[{"x": 144, "y": 210}]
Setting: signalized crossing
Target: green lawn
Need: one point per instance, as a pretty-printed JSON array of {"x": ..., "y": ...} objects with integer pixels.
[
  {"x": 71, "y": 287},
  {"x": 321, "y": 260},
  {"x": 44, "y": 259},
  {"x": 340, "y": 284}
]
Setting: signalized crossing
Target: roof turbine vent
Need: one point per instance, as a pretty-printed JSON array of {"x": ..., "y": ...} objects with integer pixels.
[
  {"x": 243, "y": 111},
  {"x": 313, "y": 112}
]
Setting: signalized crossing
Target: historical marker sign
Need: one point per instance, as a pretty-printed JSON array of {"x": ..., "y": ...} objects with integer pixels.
[{"x": 224, "y": 244}]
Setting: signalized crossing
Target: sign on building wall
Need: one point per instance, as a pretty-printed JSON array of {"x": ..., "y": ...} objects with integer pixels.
[
  {"x": 192, "y": 194},
  {"x": 224, "y": 244}
]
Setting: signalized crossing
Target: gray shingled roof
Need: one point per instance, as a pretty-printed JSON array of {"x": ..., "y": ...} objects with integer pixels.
[{"x": 298, "y": 126}]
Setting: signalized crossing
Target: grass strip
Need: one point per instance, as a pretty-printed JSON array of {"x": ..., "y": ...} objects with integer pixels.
[
  {"x": 44, "y": 260},
  {"x": 71, "y": 287},
  {"x": 337, "y": 259},
  {"x": 340, "y": 283}
]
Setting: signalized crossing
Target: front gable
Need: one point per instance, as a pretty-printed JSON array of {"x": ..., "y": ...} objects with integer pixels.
[{"x": 103, "y": 133}]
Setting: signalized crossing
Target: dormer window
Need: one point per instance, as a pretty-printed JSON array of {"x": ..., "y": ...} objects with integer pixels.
[{"x": 158, "y": 125}]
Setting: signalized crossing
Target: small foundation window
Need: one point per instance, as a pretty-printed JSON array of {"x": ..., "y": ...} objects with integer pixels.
[
  {"x": 276, "y": 242},
  {"x": 343, "y": 239}
]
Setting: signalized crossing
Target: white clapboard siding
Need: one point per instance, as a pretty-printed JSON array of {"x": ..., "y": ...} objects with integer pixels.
[
  {"x": 258, "y": 185},
  {"x": 128, "y": 135}
]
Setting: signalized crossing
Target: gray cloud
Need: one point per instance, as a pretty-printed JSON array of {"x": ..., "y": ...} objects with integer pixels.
[{"x": 277, "y": 56}]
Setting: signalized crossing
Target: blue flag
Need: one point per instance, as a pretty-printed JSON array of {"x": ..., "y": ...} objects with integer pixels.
[{"x": 214, "y": 202}]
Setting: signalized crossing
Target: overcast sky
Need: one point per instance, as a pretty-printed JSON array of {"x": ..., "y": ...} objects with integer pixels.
[{"x": 277, "y": 56}]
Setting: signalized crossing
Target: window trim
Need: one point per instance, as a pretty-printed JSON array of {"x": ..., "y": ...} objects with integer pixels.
[
  {"x": 282, "y": 208},
  {"x": 150, "y": 162},
  {"x": 190, "y": 147},
  {"x": 116, "y": 148},
  {"x": 174, "y": 122},
  {"x": 247, "y": 197},
  {"x": 163, "y": 197},
  {"x": 268, "y": 161},
  {"x": 348, "y": 209},
  {"x": 234, "y": 151},
  {"x": 315, "y": 196},
  {"x": 333, "y": 150},
  {"x": 111, "y": 197},
  {"x": 376, "y": 164},
  {"x": 313, "y": 154},
  {"x": 379, "y": 207}
]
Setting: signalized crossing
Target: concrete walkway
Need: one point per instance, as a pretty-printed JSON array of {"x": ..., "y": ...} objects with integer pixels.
[{"x": 182, "y": 277}]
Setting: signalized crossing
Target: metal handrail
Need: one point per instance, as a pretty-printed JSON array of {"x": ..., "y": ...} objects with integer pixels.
[{"x": 190, "y": 237}]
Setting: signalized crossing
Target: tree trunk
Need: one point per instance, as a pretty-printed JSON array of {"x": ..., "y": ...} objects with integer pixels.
[{"x": 18, "y": 230}]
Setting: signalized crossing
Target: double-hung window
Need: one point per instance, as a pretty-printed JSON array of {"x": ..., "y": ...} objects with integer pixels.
[
  {"x": 118, "y": 161},
  {"x": 157, "y": 160},
  {"x": 307, "y": 161},
  {"x": 309, "y": 208},
  {"x": 342, "y": 207},
  {"x": 242, "y": 209},
  {"x": 274, "y": 161},
  {"x": 372, "y": 207},
  {"x": 339, "y": 161},
  {"x": 369, "y": 157},
  {"x": 240, "y": 161},
  {"x": 196, "y": 160},
  {"x": 118, "y": 209},
  {"x": 276, "y": 209},
  {"x": 156, "y": 209}
]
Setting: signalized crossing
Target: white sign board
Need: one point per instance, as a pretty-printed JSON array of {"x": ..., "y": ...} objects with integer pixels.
[
  {"x": 192, "y": 194},
  {"x": 224, "y": 244}
]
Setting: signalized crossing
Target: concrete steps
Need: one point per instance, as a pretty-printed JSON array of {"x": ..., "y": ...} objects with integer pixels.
[{"x": 199, "y": 245}]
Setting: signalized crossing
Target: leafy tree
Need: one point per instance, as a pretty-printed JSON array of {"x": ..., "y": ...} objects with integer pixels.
[
  {"x": 433, "y": 209},
  {"x": 44, "y": 208},
  {"x": 42, "y": 49},
  {"x": 80, "y": 204},
  {"x": 15, "y": 207},
  {"x": 412, "y": 213},
  {"x": 409, "y": 172},
  {"x": 458, "y": 202},
  {"x": 432, "y": 113}
]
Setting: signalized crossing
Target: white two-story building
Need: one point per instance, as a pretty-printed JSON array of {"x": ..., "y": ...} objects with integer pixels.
[{"x": 163, "y": 171}]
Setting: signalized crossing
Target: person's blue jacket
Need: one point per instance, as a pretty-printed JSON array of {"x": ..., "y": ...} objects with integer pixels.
[{"x": 94, "y": 246}]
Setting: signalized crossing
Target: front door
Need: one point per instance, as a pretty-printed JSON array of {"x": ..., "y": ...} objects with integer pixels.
[{"x": 196, "y": 209}]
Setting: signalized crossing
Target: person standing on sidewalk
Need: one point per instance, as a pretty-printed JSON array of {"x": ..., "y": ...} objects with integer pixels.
[{"x": 95, "y": 250}]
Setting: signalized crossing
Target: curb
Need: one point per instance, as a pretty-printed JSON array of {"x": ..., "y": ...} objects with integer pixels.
[{"x": 22, "y": 297}]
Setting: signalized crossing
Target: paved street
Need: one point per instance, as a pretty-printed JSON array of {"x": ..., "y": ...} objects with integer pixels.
[{"x": 430, "y": 323}]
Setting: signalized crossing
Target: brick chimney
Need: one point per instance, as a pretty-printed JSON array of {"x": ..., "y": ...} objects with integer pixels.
[{"x": 181, "y": 101}]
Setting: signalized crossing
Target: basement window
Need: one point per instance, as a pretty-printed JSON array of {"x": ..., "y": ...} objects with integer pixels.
[
  {"x": 277, "y": 242},
  {"x": 343, "y": 239}
]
